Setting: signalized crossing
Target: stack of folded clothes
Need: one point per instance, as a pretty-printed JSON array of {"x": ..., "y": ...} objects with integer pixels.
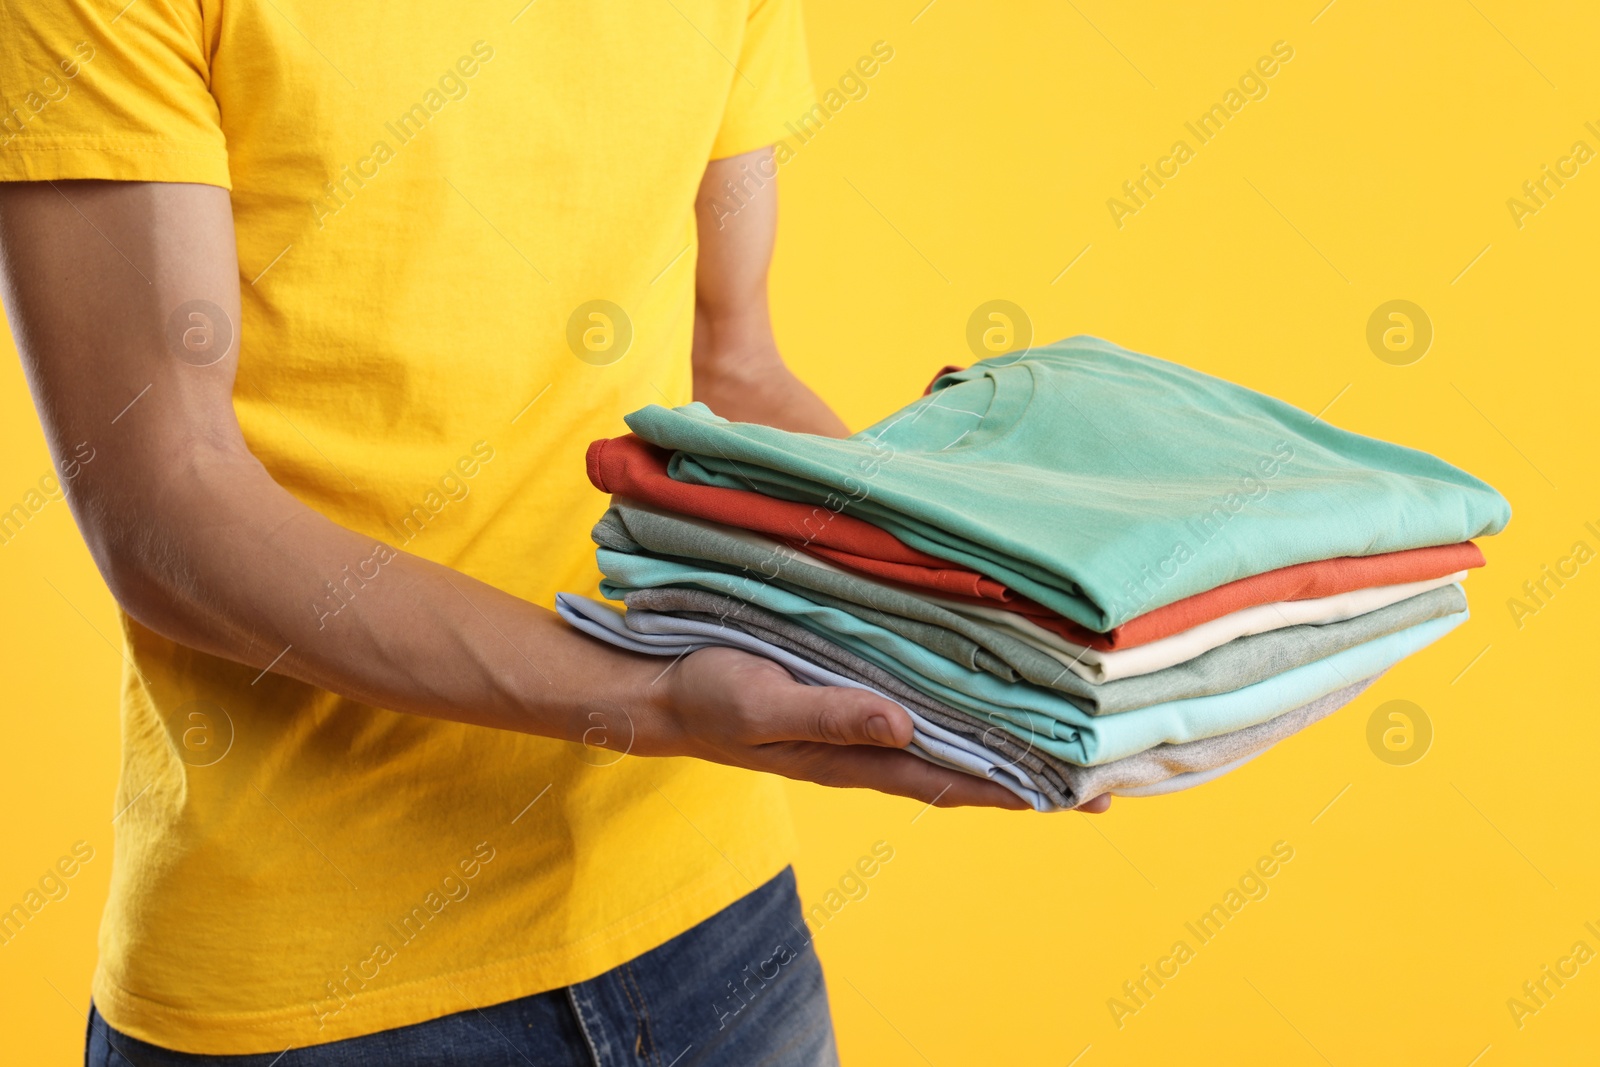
[{"x": 1080, "y": 570}]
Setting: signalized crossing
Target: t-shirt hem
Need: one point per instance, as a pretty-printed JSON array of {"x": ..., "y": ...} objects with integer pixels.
[
  {"x": 115, "y": 160},
  {"x": 424, "y": 999}
]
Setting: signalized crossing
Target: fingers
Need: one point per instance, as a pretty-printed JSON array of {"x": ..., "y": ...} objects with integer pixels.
[
  {"x": 789, "y": 711},
  {"x": 746, "y": 710},
  {"x": 899, "y": 773},
  {"x": 1096, "y": 805},
  {"x": 761, "y": 702}
]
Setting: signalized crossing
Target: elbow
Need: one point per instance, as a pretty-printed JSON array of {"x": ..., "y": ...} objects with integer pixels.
[
  {"x": 142, "y": 599},
  {"x": 152, "y": 541},
  {"x": 145, "y": 581}
]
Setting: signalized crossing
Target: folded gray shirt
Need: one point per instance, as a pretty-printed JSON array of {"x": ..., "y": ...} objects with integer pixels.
[{"x": 1244, "y": 661}]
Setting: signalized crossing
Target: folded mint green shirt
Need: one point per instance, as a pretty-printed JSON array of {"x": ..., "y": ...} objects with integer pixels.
[
  {"x": 1097, "y": 481},
  {"x": 1038, "y": 716}
]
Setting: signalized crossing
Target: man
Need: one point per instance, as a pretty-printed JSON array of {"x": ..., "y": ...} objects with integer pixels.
[{"x": 335, "y": 296}]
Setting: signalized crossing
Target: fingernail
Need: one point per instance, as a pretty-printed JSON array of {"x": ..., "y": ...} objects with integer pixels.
[{"x": 878, "y": 729}]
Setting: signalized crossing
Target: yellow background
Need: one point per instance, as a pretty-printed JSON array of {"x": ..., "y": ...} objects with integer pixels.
[{"x": 977, "y": 167}]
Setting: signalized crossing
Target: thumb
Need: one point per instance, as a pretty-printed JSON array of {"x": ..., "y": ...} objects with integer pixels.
[{"x": 833, "y": 715}]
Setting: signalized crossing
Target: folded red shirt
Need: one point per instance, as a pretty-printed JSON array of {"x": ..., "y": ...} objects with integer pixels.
[
  {"x": 1302, "y": 581},
  {"x": 631, "y": 467}
]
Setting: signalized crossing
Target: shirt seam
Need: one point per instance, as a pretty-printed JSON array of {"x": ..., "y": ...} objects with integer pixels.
[{"x": 121, "y": 146}]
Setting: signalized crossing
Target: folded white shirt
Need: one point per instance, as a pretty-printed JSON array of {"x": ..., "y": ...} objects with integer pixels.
[{"x": 1107, "y": 666}]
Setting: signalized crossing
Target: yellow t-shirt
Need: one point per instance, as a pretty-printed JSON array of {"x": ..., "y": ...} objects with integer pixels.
[{"x": 426, "y": 199}]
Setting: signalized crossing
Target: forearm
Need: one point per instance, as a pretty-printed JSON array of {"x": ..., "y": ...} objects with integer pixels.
[
  {"x": 237, "y": 567},
  {"x": 737, "y": 370},
  {"x": 226, "y": 561}
]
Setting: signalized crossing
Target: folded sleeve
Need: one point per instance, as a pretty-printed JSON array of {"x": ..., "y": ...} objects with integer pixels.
[
  {"x": 101, "y": 90},
  {"x": 772, "y": 82}
]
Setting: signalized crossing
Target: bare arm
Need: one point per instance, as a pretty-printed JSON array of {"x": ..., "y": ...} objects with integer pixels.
[
  {"x": 737, "y": 370},
  {"x": 198, "y": 543}
]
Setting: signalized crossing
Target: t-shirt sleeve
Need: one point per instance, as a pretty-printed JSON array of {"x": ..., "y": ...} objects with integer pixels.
[
  {"x": 772, "y": 83},
  {"x": 90, "y": 89}
]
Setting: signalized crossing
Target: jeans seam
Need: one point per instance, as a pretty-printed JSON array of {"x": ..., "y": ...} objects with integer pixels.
[
  {"x": 576, "y": 1000},
  {"x": 641, "y": 1012}
]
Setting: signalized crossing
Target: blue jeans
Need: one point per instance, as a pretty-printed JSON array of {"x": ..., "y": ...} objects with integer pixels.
[{"x": 742, "y": 988}]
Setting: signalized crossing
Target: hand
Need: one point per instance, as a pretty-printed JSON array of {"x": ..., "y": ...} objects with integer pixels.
[
  {"x": 752, "y": 384},
  {"x": 731, "y": 707}
]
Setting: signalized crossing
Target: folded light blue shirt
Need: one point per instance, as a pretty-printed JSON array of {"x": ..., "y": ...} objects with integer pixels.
[
  {"x": 928, "y": 739},
  {"x": 1033, "y": 714}
]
